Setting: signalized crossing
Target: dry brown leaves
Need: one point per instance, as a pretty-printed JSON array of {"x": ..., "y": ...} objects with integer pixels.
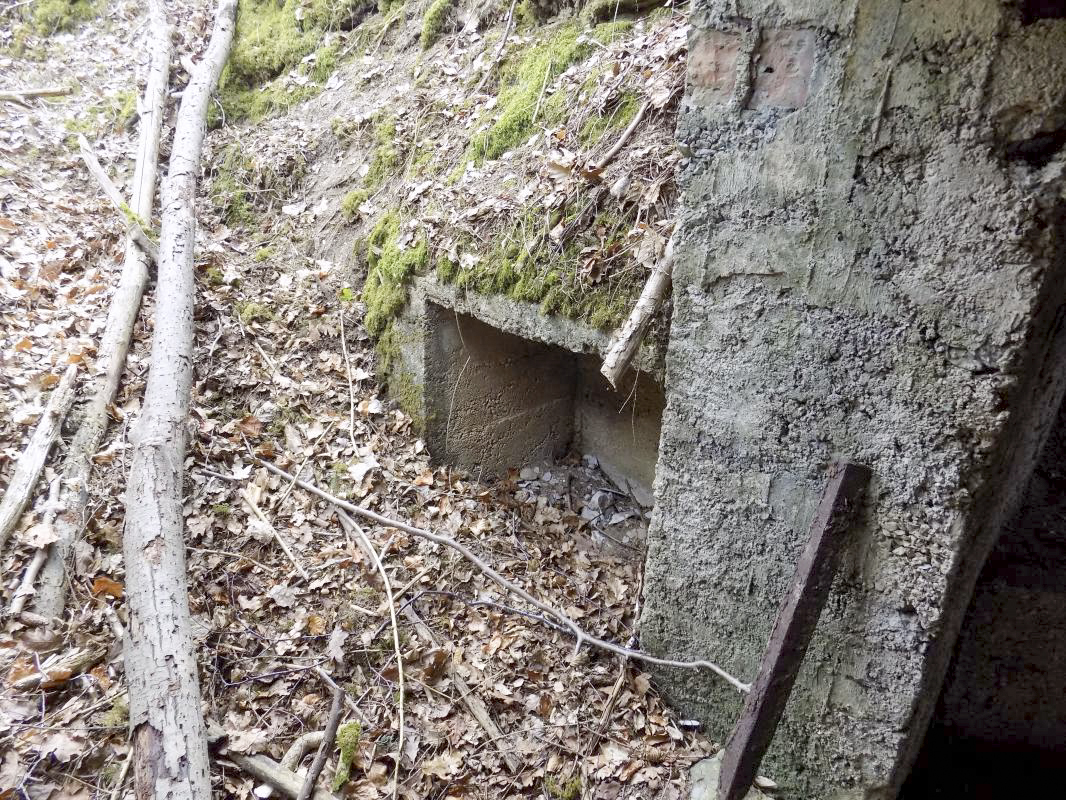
[{"x": 271, "y": 378}]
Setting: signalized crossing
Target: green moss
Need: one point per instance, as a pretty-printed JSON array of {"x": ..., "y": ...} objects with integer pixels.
[
  {"x": 221, "y": 510},
  {"x": 520, "y": 94},
  {"x": 229, "y": 190},
  {"x": 263, "y": 253},
  {"x": 256, "y": 104},
  {"x": 117, "y": 716},
  {"x": 325, "y": 62},
  {"x": 351, "y": 202},
  {"x": 571, "y": 790},
  {"x": 386, "y": 157},
  {"x": 270, "y": 41},
  {"x": 53, "y": 16},
  {"x": 389, "y": 268},
  {"x": 215, "y": 276},
  {"x": 553, "y": 278},
  {"x": 347, "y": 741},
  {"x": 248, "y": 312},
  {"x": 433, "y": 22},
  {"x": 608, "y": 32},
  {"x": 596, "y": 126}
]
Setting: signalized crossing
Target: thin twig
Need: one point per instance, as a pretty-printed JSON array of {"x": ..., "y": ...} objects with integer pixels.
[
  {"x": 352, "y": 705},
  {"x": 326, "y": 745},
  {"x": 351, "y": 387},
  {"x": 25, "y": 590},
  {"x": 582, "y": 636},
  {"x": 247, "y": 497},
  {"x": 133, "y": 227},
  {"x": 122, "y": 773},
  {"x": 499, "y": 50},
  {"x": 368, "y": 546},
  {"x": 600, "y": 165}
]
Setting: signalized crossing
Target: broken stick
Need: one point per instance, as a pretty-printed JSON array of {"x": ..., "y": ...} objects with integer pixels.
[
  {"x": 626, "y": 340},
  {"x": 31, "y": 462},
  {"x": 133, "y": 226}
]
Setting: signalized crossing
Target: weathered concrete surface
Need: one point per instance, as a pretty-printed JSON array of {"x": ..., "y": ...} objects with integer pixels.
[
  {"x": 494, "y": 400},
  {"x": 1006, "y": 688},
  {"x": 873, "y": 266},
  {"x": 498, "y": 386},
  {"x": 620, "y": 428}
]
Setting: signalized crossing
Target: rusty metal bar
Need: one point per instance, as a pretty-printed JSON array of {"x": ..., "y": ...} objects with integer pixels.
[{"x": 791, "y": 635}]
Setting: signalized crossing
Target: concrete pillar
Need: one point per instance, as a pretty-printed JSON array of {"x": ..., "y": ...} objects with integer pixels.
[{"x": 873, "y": 266}]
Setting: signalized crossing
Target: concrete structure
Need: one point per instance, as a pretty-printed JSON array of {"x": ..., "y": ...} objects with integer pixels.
[
  {"x": 873, "y": 266},
  {"x": 502, "y": 386}
]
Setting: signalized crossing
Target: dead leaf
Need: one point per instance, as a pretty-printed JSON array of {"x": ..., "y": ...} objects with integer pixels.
[{"x": 104, "y": 585}]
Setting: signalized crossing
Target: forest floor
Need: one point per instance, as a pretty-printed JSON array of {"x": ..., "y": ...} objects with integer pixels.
[{"x": 286, "y": 372}]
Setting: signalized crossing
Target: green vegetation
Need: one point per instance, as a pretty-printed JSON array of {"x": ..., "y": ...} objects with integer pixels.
[
  {"x": 263, "y": 254},
  {"x": 571, "y": 790},
  {"x": 117, "y": 716},
  {"x": 221, "y": 510},
  {"x": 389, "y": 268},
  {"x": 248, "y": 312},
  {"x": 229, "y": 190},
  {"x": 215, "y": 276},
  {"x": 433, "y": 23},
  {"x": 386, "y": 157},
  {"x": 347, "y": 741},
  {"x": 351, "y": 202},
  {"x": 46, "y": 17},
  {"x": 269, "y": 42},
  {"x": 522, "y": 102},
  {"x": 596, "y": 126}
]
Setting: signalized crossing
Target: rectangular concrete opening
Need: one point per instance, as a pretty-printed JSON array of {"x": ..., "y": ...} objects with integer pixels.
[{"x": 495, "y": 401}]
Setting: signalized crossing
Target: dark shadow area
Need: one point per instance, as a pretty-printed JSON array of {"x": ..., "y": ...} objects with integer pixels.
[{"x": 1000, "y": 724}]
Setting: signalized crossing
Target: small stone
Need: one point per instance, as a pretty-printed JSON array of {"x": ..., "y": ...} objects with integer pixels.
[
  {"x": 601, "y": 500},
  {"x": 528, "y": 473},
  {"x": 764, "y": 783}
]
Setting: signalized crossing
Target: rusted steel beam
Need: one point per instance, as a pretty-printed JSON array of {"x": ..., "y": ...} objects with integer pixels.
[{"x": 795, "y": 624}]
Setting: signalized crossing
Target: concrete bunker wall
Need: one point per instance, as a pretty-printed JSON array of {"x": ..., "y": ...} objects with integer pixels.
[
  {"x": 1001, "y": 720},
  {"x": 872, "y": 266},
  {"x": 503, "y": 387}
]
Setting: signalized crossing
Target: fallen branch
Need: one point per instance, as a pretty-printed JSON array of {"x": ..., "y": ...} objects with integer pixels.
[
  {"x": 25, "y": 590},
  {"x": 133, "y": 226},
  {"x": 57, "y": 669},
  {"x": 170, "y": 756},
  {"x": 20, "y": 96},
  {"x": 626, "y": 340},
  {"x": 601, "y": 165},
  {"x": 499, "y": 49},
  {"x": 121, "y": 318},
  {"x": 31, "y": 462},
  {"x": 582, "y": 636},
  {"x": 368, "y": 548},
  {"x": 302, "y": 746},
  {"x": 272, "y": 773},
  {"x": 328, "y": 737}
]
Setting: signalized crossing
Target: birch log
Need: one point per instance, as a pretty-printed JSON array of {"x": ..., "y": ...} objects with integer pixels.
[
  {"x": 166, "y": 720},
  {"x": 31, "y": 462},
  {"x": 626, "y": 340},
  {"x": 121, "y": 317}
]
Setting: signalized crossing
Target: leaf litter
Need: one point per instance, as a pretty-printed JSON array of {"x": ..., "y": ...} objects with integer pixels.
[{"x": 272, "y": 380}]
